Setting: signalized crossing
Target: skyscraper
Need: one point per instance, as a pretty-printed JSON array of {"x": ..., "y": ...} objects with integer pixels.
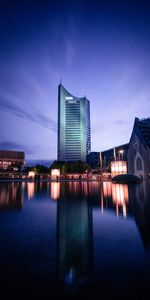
[{"x": 74, "y": 136}]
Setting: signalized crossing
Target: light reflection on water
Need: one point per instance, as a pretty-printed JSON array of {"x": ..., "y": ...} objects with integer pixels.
[
  {"x": 11, "y": 195},
  {"x": 75, "y": 234},
  {"x": 55, "y": 190},
  {"x": 30, "y": 189}
]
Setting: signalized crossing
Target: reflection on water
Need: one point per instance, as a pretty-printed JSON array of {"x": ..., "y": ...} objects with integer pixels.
[
  {"x": 74, "y": 235},
  {"x": 133, "y": 199},
  {"x": 107, "y": 189},
  {"x": 30, "y": 189},
  {"x": 89, "y": 246},
  {"x": 119, "y": 195},
  {"x": 140, "y": 203},
  {"x": 55, "y": 190},
  {"x": 11, "y": 195}
]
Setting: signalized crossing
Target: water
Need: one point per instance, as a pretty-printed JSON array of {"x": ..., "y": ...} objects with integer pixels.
[{"x": 74, "y": 239}]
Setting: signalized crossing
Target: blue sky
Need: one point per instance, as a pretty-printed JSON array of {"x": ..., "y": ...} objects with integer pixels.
[{"x": 99, "y": 48}]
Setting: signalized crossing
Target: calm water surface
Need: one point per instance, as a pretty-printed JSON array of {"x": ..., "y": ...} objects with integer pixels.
[{"x": 74, "y": 239}]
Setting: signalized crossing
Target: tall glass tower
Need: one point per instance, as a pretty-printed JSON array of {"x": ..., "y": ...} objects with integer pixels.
[{"x": 74, "y": 136}]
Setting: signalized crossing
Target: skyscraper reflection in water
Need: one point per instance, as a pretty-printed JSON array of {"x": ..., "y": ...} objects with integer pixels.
[
  {"x": 62, "y": 236},
  {"x": 74, "y": 237}
]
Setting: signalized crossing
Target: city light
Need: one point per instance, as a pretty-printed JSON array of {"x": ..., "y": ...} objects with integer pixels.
[
  {"x": 31, "y": 174},
  {"x": 120, "y": 197},
  {"x": 121, "y": 154},
  {"x": 55, "y": 173},
  {"x": 55, "y": 190},
  {"x": 118, "y": 167},
  {"x": 30, "y": 189}
]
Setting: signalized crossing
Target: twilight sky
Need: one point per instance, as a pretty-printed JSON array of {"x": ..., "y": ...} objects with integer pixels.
[{"x": 100, "y": 49}]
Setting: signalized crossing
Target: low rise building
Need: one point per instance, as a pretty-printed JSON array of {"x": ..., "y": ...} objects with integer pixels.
[{"x": 11, "y": 160}]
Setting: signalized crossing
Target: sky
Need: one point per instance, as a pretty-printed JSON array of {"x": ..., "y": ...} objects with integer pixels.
[{"x": 100, "y": 49}]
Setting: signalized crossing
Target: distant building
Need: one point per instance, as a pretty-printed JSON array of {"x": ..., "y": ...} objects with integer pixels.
[
  {"x": 93, "y": 159},
  {"x": 74, "y": 136},
  {"x": 138, "y": 157},
  {"x": 11, "y": 160}
]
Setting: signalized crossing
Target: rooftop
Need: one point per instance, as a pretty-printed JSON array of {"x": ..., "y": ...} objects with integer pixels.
[{"x": 143, "y": 126}]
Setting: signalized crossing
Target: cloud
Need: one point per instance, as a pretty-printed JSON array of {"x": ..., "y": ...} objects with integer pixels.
[
  {"x": 69, "y": 52},
  {"x": 10, "y": 145},
  {"x": 120, "y": 122},
  {"x": 33, "y": 116}
]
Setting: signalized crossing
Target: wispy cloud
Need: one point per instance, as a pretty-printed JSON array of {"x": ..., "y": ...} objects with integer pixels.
[
  {"x": 10, "y": 145},
  {"x": 120, "y": 122},
  {"x": 20, "y": 111},
  {"x": 69, "y": 51}
]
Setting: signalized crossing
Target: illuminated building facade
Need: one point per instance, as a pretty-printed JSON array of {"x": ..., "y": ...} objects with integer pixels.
[
  {"x": 55, "y": 174},
  {"x": 11, "y": 160},
  {"x": 118, "y": 167},
  {"x": 74, "y": 136}
]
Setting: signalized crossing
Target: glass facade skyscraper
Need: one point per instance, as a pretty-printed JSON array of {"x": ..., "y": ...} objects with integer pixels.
[{"x": 74, "y": 136}]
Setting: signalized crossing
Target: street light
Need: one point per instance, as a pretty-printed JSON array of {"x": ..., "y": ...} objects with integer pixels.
[{"x": 121, "y": 154}]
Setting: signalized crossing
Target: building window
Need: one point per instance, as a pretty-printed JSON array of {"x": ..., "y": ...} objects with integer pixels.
[{"x": 139, "y": 164}]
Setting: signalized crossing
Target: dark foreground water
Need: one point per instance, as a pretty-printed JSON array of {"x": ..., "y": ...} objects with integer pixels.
[{"x": 73, "y": 240}]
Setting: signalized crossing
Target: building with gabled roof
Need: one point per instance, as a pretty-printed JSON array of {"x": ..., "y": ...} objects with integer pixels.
[{"x": 138, "y": 157}]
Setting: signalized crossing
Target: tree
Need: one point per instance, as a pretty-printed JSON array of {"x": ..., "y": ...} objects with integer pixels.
[{"x": 66, "y": 168}]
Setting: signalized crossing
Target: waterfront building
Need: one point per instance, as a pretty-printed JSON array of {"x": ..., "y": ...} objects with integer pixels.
[
  {"x": 133, "y": 157},
  {"x": 74, "y": 136},
  {"x": 118, "y": 167},
  {"x": 11, "y": 160},
  {"x": 118, "y": 153},
  {"x": 138, "y": 157}
]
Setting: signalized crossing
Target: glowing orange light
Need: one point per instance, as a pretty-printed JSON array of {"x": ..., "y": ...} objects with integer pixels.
[
  {"x": 30, "y": 189},
  {"x": 107, "y": 188},
  {"x": 120, "y": 193},
  {"x": 55, "y": 173},
  {"x": 31, "y": 174},
  {"x": 118, "y": 167},
  {"x": 55, "y": 190},
  {"x": 120, "y": 196}
]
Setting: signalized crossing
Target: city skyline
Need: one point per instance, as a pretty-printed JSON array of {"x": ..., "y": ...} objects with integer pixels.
[{"x": 100, "y": 50}]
